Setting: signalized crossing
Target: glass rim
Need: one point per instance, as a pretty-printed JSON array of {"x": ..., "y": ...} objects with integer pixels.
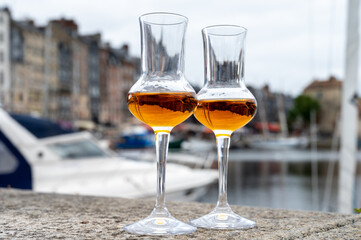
[
  {"x": 181, "y": 18},
  {"x": 221, "y": 30}
]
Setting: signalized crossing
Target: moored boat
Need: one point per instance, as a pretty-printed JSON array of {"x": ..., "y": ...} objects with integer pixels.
[{"x": 75, "y": 163}]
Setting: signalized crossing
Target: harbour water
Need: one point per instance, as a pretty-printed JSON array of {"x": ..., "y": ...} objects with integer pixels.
[{"x": 283, "y": 179}]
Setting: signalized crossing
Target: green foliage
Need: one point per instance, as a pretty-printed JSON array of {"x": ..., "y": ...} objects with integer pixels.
[
  {"x": 358, "y": 210},
  {"x": 303, "y": 106}
]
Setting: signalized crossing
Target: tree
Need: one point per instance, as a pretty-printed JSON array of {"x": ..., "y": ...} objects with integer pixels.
[{"x": 303, "y": 106}]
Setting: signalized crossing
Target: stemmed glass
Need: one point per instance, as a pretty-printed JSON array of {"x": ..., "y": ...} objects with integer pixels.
[
  {"x": 161, "y": 98},
  {"x": 224, "y": 105}
]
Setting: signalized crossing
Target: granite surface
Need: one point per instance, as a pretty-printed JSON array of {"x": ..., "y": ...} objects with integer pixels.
[{"x": 29, "y": 215}]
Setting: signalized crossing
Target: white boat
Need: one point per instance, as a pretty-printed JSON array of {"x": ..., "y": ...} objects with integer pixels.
[
  {"x": 280, "y": 143},
  {"x": 197, "y": 144},
  {"x": 200, "y": 159},
  {"x": 75, "y": 163}
]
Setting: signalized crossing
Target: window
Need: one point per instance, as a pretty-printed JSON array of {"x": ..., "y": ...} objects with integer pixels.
[
  {"x": 78, "y": 149},
  {"x": 319, "y": 95},
  {"x": 1, "y": 78},
  {"x": 8, "y": 162},
  {"x": 1, "y": 37},
  {"x": 20, "y": 82}
]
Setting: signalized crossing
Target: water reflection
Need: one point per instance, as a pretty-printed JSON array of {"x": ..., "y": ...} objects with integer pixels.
[{"x": 279, "y": 184}]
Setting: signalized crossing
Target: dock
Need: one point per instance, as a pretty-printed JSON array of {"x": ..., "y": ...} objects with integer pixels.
[{"x": 30, "y": 215}]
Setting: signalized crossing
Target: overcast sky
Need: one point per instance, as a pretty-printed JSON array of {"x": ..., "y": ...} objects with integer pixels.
[{"x": 289, "y": 43}]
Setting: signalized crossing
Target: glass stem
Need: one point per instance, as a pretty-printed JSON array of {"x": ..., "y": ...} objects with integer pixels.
[
  {"x": 161, "y": 145},
  {"x": 223, "y": 143}
]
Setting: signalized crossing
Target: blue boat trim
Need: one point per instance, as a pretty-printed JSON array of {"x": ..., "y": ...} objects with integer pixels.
[
  {"x": 21, "y": 177},
  {"x": 40, "y": 127}
]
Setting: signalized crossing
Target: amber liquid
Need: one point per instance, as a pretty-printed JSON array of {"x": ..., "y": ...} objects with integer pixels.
[
  {"x": 226, "y": 115},
  {"x": 162, "y": 109}
]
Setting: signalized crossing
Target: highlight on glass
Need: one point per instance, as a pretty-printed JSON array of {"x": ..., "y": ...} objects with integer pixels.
[
  {"x": 162, "y": 98},
  {"x": 224, "y": 105}
]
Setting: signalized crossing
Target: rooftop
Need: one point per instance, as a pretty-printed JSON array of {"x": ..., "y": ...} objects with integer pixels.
[{"x": 332, "y": 82}]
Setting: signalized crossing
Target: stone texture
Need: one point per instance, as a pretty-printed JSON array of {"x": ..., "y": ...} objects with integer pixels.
[{"x": 29, "y": 215}]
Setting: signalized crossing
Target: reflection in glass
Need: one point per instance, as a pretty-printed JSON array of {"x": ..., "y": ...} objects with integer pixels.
[
  {"x": 162, "y": 99},
  {"x": 224, "y": 105}
]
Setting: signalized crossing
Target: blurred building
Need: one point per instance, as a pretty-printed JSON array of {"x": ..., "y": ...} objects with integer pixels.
[
  {"x": 27, "y": 67},
  {"x": 272, "y": 110},
  {"x": 80, "y": 88},
  {"x": 104, "y": 55},
  {"x": 5, "y": 65},
  {"x": 328, "y": 93},
  {"x": 120, "y": 72},
  {"x": 129, "y": 71},
  {"x": 114, "y": 97},
  {"x": 93, "y": 42},
  {"x": 60, "y": 34},
  {"x": 55, "y": 72}
]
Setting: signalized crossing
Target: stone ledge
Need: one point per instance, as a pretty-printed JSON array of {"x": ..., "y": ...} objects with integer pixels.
[{"x": 29, "y": 215}]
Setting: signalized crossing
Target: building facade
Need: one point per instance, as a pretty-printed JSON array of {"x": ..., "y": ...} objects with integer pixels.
[
  {"x": 80, "y": 98},
  {"x": 5, "y": 71},
  {"x": 272, "y": 110},
  {"x": 118, "y": 73},
  {"x": 55, "y": 72},
  {"x": 104, "y": 56},
  {"x": 127, "y": 76},
  {"x": 328, "y": 93},
  {"x": 93, "y": 43},
  {"x": 27, "y": 68},
  {"x": 61, "y": 37}
]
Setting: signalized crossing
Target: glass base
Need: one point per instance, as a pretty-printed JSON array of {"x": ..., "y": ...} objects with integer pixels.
[
  {"x": 155, "y": 225},
  {"x": 223, "y": 218}
]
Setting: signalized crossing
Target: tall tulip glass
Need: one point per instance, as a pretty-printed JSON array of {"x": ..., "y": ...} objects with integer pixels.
[
  {"x": 224, "y": 105},
  {"x": 161, "y": 98}
]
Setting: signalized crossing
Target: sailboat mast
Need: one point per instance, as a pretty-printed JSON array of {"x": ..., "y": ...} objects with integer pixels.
[
  {"x": 349, "y": 112},
  {"x": 282, "y": 114}
]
